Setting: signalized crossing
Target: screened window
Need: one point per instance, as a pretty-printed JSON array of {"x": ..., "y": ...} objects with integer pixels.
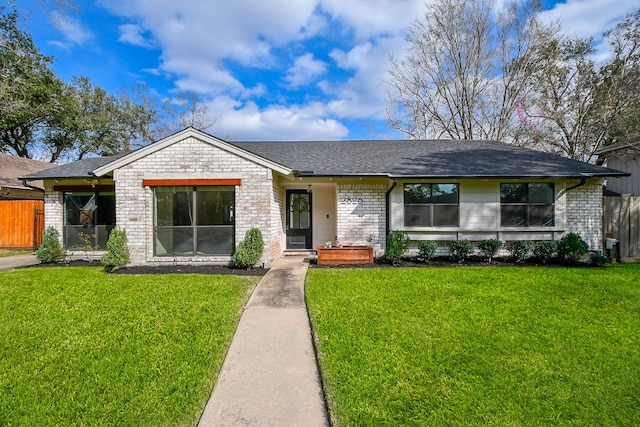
[
  {"x": 431, "y": 205},
  {"x": 527, "y": 205},
  {"x": 89, "y": 218},
  {"x": 194, "y": 220}
]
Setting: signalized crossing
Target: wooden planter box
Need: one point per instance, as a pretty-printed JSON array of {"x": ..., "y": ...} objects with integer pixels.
[{"x": 345, "y": 255}]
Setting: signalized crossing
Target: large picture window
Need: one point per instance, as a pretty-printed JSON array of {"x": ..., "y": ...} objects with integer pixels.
[
  {"x": 527, "y": 204},
  {"x": 194, "y": 220},
  {"x": 89, "y": 218},
  {"x": 431, "y": 205}
]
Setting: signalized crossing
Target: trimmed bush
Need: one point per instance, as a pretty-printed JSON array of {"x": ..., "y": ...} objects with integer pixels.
[
  {"x": 397, "y": 244},
  {"x": 571, "y": 248},
  {"x": 544, "y": 250},
  {"x": 117, "y": 251},
  {"x": 250, "y": 250},
  {"x": 427, "y": 250},
  {"x": 459, "y": 250},
  {"x": 519, "y": 249},
  {"x": 489, "y": 248},
  {"x": 51, "y": 250},
  {"x": 599, "y": 260}
]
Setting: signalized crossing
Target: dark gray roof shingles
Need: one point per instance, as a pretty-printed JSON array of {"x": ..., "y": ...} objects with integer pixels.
[
  {"x": 78, "y": 169},
  {"x": 414, "y": 158},
  {"x": 392, "y": 158}
]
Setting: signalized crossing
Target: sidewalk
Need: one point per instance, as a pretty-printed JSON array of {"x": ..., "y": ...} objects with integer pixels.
[
  {"x": 270, "y": 375},
  {"x": 11, "y": 262}
]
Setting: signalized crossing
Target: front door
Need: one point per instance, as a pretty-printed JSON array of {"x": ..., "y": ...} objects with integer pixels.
[{"x": 298, "y": 219}]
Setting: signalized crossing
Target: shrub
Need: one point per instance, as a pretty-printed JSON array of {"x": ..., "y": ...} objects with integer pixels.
[
  {"x": 544, "y": 250},
  {"x": 117, "y": 251},
  {"x": 519, "y": 249},
  {"x": 51, "y": 250},
  {"x": 599, "y": 260},
  {"x": 459, "y": 250},
  {"x": 489, "y": 248},
  {"x": 250, "y": 250},
  {"x": 397, "y": 244},
  {"x": 427, "y": 249},
  {"x": 571, "y": 248}
]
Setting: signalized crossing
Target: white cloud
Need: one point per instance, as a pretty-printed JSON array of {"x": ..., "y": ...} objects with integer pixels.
[
  {"x": 305, "y": 70},
  {"x": 249, "y": 122},
  {"x": 72, "y": 31},
  {"x": 588, "y": 18},
  {"x": 133, "y": 34}
]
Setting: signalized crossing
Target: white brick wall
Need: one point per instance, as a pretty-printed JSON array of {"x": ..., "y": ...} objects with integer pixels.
[
  {"x": 53, "y": 211},
  {"x": 192, "y": 158},
  {"x": 584, "y": 213},
  {"x": 361, "y": 215}
]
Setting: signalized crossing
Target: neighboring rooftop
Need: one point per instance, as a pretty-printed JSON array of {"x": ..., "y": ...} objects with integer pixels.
[
  {"x": 630, "y": 146},
  {"x": 13, "y": 167}
]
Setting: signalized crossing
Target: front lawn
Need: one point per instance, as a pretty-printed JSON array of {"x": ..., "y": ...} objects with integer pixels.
[
  {"x": 479, "y": 346},
  {"x": 81, "y": 347}
]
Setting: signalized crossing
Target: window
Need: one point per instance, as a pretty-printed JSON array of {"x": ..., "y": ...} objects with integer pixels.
[
  {"x": 431, "y": 205},
  {"x": 527, "y": 205},
  {"x": 194, "y": 220},
  {"x": 89, "y": 218}
]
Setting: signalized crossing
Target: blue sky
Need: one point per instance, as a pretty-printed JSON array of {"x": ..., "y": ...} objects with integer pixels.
[{"x": 269, "y": 69}]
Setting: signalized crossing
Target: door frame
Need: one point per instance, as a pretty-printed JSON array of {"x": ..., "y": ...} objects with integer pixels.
[{"x": 309, "y": 232}]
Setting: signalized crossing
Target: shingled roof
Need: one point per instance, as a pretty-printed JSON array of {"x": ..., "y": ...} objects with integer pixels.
[
  {"x": 419, "y": 158},
  {"x": 13, "y": 167},
  {"x": 385, "y": 158},
  {"x": 78, "y": 169}
]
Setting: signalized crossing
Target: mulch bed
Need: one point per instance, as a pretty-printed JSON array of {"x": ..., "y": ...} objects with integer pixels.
[{"x": 166, "y": 269}]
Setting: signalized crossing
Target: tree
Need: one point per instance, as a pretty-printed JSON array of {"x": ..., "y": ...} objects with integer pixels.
[
  {"x": 41, "y": 113},
  {"x": 467, "y": 66},
  {"x": 92, "y": 121},
  {"x": 575, "y": 105},
  {"x": 189, "y": 110},
  {"x": 29, "y": 90}
]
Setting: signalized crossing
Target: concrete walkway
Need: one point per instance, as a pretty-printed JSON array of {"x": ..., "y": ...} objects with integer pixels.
[
  {"x": 270, "y": 374},
  {"x": 16, "y": 261}
]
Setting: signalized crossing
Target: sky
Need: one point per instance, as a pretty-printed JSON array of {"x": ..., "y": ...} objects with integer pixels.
[{"x": 267, "y": 69}]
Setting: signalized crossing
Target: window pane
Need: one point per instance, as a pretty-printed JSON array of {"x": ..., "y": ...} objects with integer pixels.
[
  {"x": 444, "y": 193},
  {"x": 541, "y": 216},
  {"x": 174, "y": 240},
  {"x": 78, "y": 208},
  {"x": 215, "y": 240},
  {"x": 417, "y": 193},
  {"x": 513, "y": 193},
  {"x": 445, "y": 215},
  {"x": 417, "y": 215},
  {"x": 513, "y": 215},
  {"x": 106, "y": 209},
  {"x": 215, "y": 205},
  {"x": 174, "y": 206},
  {"x": 541, "y": 193}
]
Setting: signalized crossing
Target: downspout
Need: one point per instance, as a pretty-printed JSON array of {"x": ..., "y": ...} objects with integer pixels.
[
  {"x": 26, "y": 184},
  {"x": 388, "y": 206}
]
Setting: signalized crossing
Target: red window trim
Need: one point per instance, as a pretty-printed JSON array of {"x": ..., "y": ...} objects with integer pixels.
[{"x": 190, "y": 182}]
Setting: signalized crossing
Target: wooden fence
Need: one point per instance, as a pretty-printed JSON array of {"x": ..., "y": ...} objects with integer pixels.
[
  {"x": 21, "y": 224},
  {"x": 622, "y": 222}
]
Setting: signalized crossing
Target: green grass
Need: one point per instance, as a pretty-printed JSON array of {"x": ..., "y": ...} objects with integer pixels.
[
  {"x": 81, "y": 347},
  {"x": 479, "y": 346}
]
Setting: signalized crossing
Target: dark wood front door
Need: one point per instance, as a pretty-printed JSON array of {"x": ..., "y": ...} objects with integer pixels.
[{"x": 298, "y": 219}]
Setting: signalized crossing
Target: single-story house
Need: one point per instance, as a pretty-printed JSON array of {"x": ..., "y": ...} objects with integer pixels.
[
  {"x": 191, "y": 197},
  {"x": 21, "y": 205}
]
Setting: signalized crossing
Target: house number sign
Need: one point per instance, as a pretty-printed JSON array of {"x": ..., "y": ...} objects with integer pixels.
[{"x": 351, "y": 200}]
